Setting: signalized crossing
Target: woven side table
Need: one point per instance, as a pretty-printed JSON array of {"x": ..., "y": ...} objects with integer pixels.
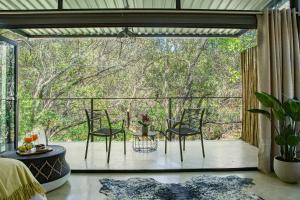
[
  {"x": 50, "y": 169},
  {"x": 145, "y": 144}
]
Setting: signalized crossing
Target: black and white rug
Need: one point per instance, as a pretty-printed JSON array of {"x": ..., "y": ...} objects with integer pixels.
[{"x": 201, "y": 187}]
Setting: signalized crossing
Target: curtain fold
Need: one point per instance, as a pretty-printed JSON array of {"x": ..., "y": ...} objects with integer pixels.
[
  {"x": 249, "y": 87},
  {"x": 278, "y": 71}
]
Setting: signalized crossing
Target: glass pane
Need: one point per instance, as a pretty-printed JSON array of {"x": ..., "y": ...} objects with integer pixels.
[
  {"x": 7, "y": 88},
  {"x": 28, "y": 4}
]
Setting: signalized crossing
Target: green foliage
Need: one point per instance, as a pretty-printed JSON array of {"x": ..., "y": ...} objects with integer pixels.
[
  {"x": 287, "y": 114},
  {"x": 143, "y": 67}
]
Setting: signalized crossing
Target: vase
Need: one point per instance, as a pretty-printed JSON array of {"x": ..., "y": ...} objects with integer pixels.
[
  {"x": 287, "y": 171},
  {"x": 144, "y": 130}
]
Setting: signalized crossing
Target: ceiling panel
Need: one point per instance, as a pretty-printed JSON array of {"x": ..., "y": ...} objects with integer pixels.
[
  {"x": 28, "y": 4},
  {"x": 119, "y": 4},
  {"x": 229, "y": 4},
  {"x": 140, "y": 4},
  {"x": 133, "y": 32}
]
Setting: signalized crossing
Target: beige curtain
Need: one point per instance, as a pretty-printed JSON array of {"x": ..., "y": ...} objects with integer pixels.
[
  {"x": 249, "y": 87},
  {"x": 278, "y": 70}
]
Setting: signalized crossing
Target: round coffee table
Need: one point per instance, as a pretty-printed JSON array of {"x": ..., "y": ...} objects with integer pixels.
[
  {"x": 50, "y": 169},
  {"x": 144, "y": 144}
]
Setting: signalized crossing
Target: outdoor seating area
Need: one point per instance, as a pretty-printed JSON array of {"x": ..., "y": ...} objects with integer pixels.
[{"x": 99, "y": 124}]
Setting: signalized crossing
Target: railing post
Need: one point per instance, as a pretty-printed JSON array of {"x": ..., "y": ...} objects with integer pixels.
[
  {"x": 170, "y": 114},
  {"x": 92, "y": 118}
]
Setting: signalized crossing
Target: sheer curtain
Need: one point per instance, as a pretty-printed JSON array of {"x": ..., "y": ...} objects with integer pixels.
[{"x": 278, "y": 70}]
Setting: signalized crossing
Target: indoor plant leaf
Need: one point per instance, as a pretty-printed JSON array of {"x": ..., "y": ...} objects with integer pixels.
[
  {"x": 292, "y": 108},
  {"x": 270, "y": 101},
  {"x": 264, "y": 112},
  {"x": 293, "y": 140},
  {"x": 280, "y": 140},
  {"x": 264, "y": 99}
]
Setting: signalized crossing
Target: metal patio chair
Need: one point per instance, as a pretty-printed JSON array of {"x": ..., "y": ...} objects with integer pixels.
[
  {"x": 191, "y": 123},
  {"x": 107, "y": 132}
]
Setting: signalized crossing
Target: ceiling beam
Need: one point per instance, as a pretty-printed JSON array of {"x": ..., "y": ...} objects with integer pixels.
[{"x": 72, "y": 19}]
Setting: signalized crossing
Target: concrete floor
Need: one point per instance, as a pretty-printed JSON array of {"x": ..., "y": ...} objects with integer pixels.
[
  {"x": 219, "y": 154},
  {"x": 86, "y": 186}
]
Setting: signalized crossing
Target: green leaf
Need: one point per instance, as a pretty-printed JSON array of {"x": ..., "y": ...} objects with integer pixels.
[
  {"x": 263, "y": 112},
  {"x": 293, "y": 140},
  {"x": 264, "y": 99},
  {"x": 288, "y": 130},
  {"x": 280, "y": 140},
  {"x": 292, "y": 108},
  {"x": 270, "y": 101}
]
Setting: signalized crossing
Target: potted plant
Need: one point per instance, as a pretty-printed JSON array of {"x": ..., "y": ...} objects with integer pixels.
[
  {"x": 287, "y": 114},
  {"x": 145, "y": 122}
]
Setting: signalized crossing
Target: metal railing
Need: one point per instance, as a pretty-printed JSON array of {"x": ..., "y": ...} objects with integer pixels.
[{"x": 221, "y": 110}]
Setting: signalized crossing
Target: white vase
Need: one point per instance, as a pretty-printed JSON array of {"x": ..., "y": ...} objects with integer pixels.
[{"x": 287, "y": 171}]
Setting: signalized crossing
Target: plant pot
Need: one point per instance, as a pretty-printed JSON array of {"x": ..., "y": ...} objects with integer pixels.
[
  {"x": 287, "y": 171},
  {"x": 144, "y": 130}
]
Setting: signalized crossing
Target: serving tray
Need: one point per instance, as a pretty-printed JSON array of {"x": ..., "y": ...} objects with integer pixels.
[{"x": 34, "y": 151}]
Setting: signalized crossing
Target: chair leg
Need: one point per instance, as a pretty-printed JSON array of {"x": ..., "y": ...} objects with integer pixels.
[
  {"x": 109, "y": 147},
  {"x": 202, "y": 144},
  {"x": 87, "y": 146},
  {"x": 183, "y": 143},
  {"x": 124, "y": 143},
  {"x": 181, "y": 158},
  {"x": 106, "y": 143}
]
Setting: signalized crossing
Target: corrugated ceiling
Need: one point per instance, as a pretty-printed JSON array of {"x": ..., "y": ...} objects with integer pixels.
[
  {"x": 135, "y": 32},
  {"x": 137, "y": 4},
  {"x": 28, "y": 4},
  {"x": 246, "y": 5},
  {"x": 102, "y": 4}
]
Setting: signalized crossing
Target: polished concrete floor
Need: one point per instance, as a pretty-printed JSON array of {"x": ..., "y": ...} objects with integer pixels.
[
  {"x": 219, "y": 154},
  {"x": 86, "y": 186}
]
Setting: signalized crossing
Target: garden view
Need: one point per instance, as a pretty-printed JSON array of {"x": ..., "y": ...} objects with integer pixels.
[{"x": 58, "y": 79}]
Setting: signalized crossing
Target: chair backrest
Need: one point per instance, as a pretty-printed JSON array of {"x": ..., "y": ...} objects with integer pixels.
[
  {"x": 88, "y": 120},
  {"x": 99, "y": 116},
  {"x": 192, "y": 118}
]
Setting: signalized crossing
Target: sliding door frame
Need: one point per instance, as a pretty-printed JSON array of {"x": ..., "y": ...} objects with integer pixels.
[{"x": 14, "y": 98}]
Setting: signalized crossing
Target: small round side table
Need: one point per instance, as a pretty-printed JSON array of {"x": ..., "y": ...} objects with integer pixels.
[
  {"x": 50, "y": 169},
  {"x": 144, "y": 144}
]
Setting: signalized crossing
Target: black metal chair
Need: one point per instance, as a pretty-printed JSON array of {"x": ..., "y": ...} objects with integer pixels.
[
  {"x": 107, "y": 132},
  {"x": 191, "y": 123}
]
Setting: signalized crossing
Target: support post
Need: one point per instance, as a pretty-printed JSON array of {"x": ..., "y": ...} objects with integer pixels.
[
  {"x": 92, "y": 118},
  {"x": 170, "y": 114},
  {"x": 16, "y": 101},
  {"x": 60, "y": 4},
  {"x": 178, "y": 4}
]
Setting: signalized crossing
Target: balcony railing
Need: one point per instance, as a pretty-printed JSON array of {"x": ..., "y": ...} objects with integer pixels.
[{"x": 63, "y": 119}]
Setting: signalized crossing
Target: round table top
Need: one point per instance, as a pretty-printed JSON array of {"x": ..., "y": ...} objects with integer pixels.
[
  {"x": 57, "y": 150},
  {"x": 150, "y": 133}
]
